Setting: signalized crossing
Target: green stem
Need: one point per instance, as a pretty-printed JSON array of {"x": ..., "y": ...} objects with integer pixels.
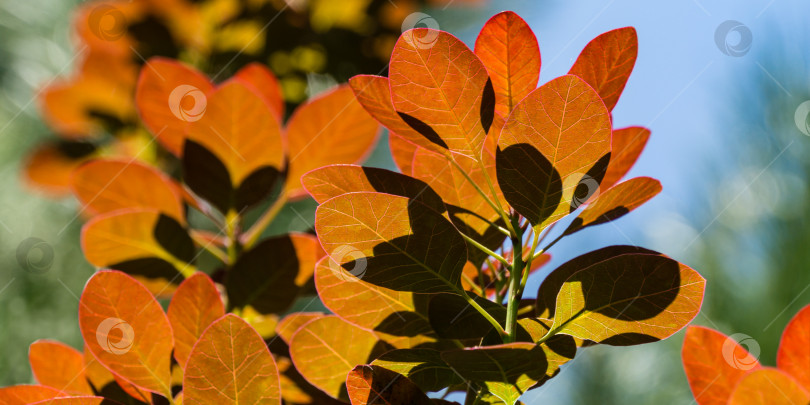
[
  {"x": 232, "y": 220},
  {"x": 485, "y": 249},
  {"x": 255, "y": 232},
  {"x": 209, "y": 246},
  {"x": 514, "y": 294}
]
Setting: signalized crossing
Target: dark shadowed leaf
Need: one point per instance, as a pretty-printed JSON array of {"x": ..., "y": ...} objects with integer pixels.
[{"x": 425, "y": 367}]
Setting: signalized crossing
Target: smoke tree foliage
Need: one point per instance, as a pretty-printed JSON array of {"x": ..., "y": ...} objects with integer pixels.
[{"x": 423, "y": 271}]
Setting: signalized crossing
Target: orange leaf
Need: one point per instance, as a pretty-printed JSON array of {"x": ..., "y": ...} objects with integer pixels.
[
  {"x": 109, "y": 385},
  {"x": 509, "y": 50},
  {"x": 264, "y": 82},
  {"x": 242, "y": 135},
  {"x": 231, "y": 364},
  {"x": 714, "y": 364},
  {"x": 616, "y": 202},
  {"x": 170, "y": 95},
  {"x": 26, "y": 394},
  {"x": 368, "y": 306},
  {"x": 126, "y": 330},
  {"x": 290, "y": 324},
  {"x": 89, "y": 400},
  {"x": 769, "y": 386},
  {"x": 374, "y": 94},
  {"x": 108, "y": 185},
  {"x": 556, "y": 139},
  {"x": 142, "y": 242},
  {"x": 606, "y": 63},
  {"x": 392, "y": 241},
  {"x": 626, "y": 146},
  {"x": 330, "y": 129},
  {"x": 325, "y": 349},
  {"x": 195, "y": 305},
  {"x": 794, "y": 349},
  {"x": 48, "y": 168},
  {"x": 442, "y": 89},
  {"x": 402, "y": 152},
  {"x": 376, "y": 385},
  {"x": 335, "y": 180},
  {"x": 59, "y": 366}
]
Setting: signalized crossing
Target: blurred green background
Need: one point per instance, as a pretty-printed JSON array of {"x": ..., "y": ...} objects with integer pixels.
[{"x": 725, "y": 145}]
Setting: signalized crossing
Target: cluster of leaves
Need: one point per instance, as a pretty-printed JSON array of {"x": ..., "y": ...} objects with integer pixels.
[
  {"x": 722, "y": 371},
  {"x": 92, "y": 111},
  {"x": 423, "y": 271},
  {"x": 433, "y": 261}
]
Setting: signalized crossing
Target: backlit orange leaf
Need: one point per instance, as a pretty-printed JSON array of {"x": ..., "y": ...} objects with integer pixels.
[
  {"x": 374, "y": 94},
  {"x": 26, "y": 394},
  {"x": 616, "y": 202},
  {"x": 231, "y": 364},
  {"x": 714, "y": 364},
  {"x": 86, "y": 400},
  {"x": 59, "y": 366},
  {"x": 392, "y": 242},
  {"x": 326, "y": 349},
  {"x": 402, "y": 152},
  {"x": 126, "y": 330},
  {"x": 556, "y": 140},
  {"x": 369, "y": 385},
  {"x": 442, "y": 90},
  {"x": 335, "y": 180},
  {"x": 330, "y": 129},
  {"x": 626, "y": 146},
  {"x": 48, "y": 169},
  {"x": 107, "y": 185},
  {"x": 238, "y": 129},
  {"x": 264, "y": 82},
  {"x": 170, "y": 95},
  {"x": 368, "y": 306},
  {"x": 606, "y": 63},
  {"x": 628, "y": 299},
  {"x": 141, "y": 242},
  {"x": 769, "y": 386},
  {"x": 290, "y": 324},
  {"x": 194, "y": 306},
  {"x": 425, "y": 367},
  {"x": 794, "y": 349},
  {"x": 509, "y": 50}
]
